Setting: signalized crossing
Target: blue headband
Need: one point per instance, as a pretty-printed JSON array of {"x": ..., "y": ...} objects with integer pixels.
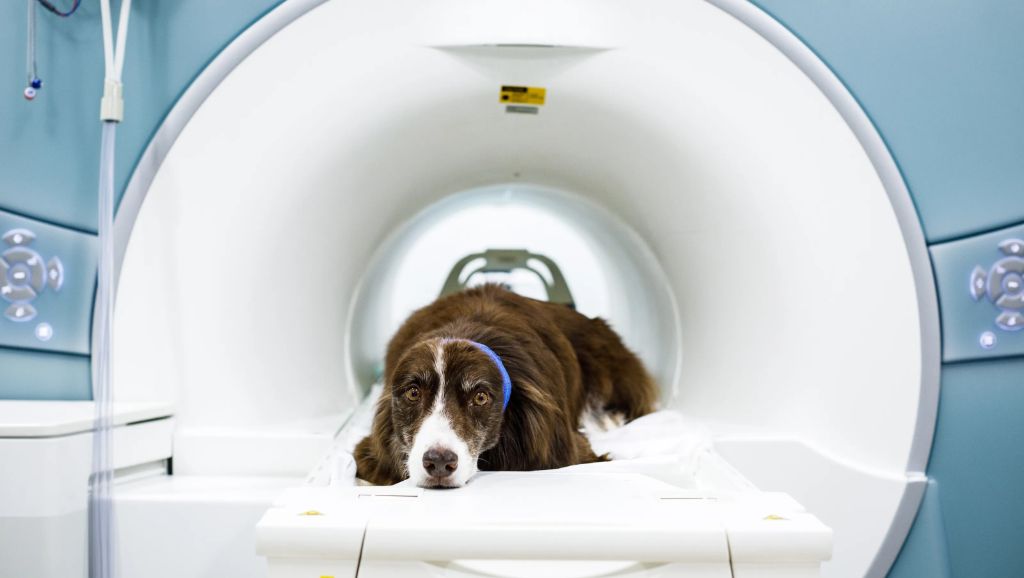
[{"x": 506, "y": 381}]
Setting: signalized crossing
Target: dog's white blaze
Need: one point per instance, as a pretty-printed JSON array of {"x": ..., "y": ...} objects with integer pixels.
[
  {"x": 439, "y": 366},
  {"x": 436, "y": 432}
]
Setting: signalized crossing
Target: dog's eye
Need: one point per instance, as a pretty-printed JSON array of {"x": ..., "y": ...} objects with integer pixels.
[
  {"x": 481, "y": 398},
  {"x": 412, "y": 394}
]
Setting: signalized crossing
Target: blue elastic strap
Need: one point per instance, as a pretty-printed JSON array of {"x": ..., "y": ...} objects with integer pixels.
[{"x": 506, "y": 381}]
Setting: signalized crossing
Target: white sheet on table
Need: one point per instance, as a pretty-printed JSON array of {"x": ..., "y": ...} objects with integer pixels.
[{"x": 665, "y": 445}]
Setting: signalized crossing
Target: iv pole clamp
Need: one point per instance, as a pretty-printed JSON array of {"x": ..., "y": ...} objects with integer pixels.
[{"x": 112, "y": 103}]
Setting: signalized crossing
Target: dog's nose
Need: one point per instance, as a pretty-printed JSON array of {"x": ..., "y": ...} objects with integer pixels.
[{"x": 440, "y": 462}]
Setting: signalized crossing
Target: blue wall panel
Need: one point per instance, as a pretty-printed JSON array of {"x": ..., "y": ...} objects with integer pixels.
[
  {"x": 49, "y": 148},
  {"x": 943, "y": 82},
  {"x": 925, "y": 552},
  {"x": 40, "y": 375},
  {"x": 978, "y": 461}
]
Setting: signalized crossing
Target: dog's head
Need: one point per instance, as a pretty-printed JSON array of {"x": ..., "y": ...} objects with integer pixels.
[{"x": 447, "y": 401}]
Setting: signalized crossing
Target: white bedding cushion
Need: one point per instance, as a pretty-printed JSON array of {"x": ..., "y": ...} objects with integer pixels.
[{"x": 665, "y": 445}]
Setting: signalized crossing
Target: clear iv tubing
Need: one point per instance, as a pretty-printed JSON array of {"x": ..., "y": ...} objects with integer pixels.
[
  {"x": 101, "y": 530},
  {"x": 101, "y": 546},
  {"x": 30, "y": 53}
]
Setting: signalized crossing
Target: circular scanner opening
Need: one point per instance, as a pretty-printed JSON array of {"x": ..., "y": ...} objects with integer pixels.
[
  {"x": 262, "y": 294},
  {"x": 608, "y": 267}
]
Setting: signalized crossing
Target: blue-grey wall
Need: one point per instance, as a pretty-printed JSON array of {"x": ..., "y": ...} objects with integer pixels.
[
  {"x": 49, "y": 147},
  {"x": 49, "y": 153},
  {"x": 942, "y": 79},
  {"x": 944, "y": 82}
]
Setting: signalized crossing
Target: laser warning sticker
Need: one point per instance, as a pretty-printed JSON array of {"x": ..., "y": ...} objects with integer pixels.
[{"x": 530, "y": 95}]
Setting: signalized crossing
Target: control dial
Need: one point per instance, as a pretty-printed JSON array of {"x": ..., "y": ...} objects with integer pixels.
[{"x": 24, "y": 275}]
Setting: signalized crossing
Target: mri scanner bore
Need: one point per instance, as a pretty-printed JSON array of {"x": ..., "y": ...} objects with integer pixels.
[{"x": 695, "y": 216}]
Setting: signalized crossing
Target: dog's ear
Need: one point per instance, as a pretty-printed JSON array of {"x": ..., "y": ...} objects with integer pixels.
[
  {"x": 377, "y": 461},
  {"x": 536, "y": 433}
]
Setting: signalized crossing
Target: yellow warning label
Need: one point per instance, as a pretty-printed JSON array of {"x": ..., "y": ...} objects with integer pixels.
[{"x": 523, "y": 95}]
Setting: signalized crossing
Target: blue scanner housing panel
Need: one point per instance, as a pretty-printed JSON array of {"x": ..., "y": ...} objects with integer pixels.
[
  {"x": 981, "y": 292},
  {"x": 41, "y": 375},
  {"x": 47, "y": 282}
]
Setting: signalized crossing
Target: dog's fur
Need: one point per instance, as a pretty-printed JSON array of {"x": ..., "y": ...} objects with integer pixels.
[{"x": 562, "y": 365}]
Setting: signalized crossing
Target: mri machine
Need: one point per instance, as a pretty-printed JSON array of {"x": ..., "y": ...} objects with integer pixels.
[{"x": 701, "y": 178}]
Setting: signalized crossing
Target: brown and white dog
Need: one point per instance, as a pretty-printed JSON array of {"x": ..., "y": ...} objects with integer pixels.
[{"x": 442, "y": 413}]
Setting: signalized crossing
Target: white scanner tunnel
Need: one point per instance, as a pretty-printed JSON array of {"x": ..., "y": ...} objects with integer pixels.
[{"x": 702, "y": 180}]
